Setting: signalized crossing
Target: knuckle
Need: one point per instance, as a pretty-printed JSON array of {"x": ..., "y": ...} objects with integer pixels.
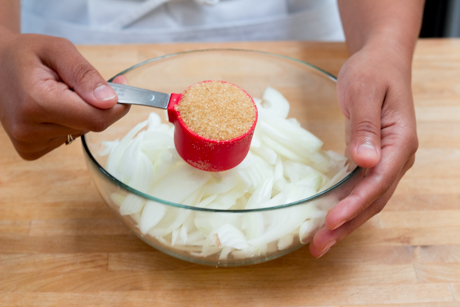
[
  {"x": 63, "y": 41},
  {"x": 365, "y": 128},
  {"x": 411, "y": 162},
  {"x": 84, "y": 72},
  {"x": 413, "y": 144},
  {"x": 60, "y": 43},
  {"x": 98, "y": 125},
  {"x": 20, "y": 133}
]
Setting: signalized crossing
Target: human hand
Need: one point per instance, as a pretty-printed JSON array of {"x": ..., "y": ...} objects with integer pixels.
[
  {"x": 48, "y": 91},
  {"x": 374, "y": 93}
]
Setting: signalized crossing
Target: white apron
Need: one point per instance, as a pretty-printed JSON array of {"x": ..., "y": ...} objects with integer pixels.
[{"x": 151, "y": 21}]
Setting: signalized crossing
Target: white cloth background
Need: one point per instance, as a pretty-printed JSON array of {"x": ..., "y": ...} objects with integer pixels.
[{"x": 142, "y": 21}]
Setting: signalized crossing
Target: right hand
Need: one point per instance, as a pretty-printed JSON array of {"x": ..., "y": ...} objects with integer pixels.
[
  {"x": 47, "y": 91},
  {"x": 374, "y": 93}
]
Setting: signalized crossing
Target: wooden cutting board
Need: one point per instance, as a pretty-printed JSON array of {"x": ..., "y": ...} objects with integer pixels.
[{"x": 61, "y": 246}]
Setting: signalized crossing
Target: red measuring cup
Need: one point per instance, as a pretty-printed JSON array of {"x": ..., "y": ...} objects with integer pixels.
[{"x": 200, "y": 152}]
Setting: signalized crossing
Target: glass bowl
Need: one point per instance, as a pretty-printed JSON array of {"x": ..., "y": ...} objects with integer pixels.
[{"x": 189, "y": 233}]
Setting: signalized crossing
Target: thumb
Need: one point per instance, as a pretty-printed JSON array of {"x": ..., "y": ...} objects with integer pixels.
[
  {"x": 364, "y": 144},
  {"x": 362, "y": 104},
  {"x": 80, "y": 75}
]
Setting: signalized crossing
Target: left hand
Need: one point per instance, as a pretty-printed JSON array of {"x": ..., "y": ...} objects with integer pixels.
[{"x": 374, "y": 93}]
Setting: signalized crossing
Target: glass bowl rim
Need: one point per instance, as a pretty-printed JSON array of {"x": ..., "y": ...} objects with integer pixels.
[{"x": 168, "y": 203}]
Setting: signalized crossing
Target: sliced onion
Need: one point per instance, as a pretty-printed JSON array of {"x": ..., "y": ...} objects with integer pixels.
[
  {"x": 275, "y": 103},
  {"x": 285, "y": 164}
]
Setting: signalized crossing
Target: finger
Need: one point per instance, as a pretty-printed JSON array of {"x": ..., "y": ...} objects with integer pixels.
[
  {"x": 75, "y": 71},
  {"x": 34, "y": 155},
  {"x": 40, "y": 133},
  {"x": 326, "y": 238},
  {"x": 41, "y": 137},
  {"x": 120, "y": 80},
  {"x": 62, "y": 106},
  {"x": 363, "y": 105},
  {"x": 43, "y": 150},
  {"x": 397, "y": 151},
  {"x": 377, "y": 182}
]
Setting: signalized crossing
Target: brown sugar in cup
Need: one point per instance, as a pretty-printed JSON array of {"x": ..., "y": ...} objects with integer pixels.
[
  {"x": 214, "y": 123},
  {"x": 217, "y": 110}
]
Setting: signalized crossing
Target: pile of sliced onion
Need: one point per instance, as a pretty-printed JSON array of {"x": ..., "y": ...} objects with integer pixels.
[{"x": 285, "y": 164}]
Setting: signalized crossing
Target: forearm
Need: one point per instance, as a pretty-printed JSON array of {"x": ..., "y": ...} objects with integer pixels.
[
  {"x": 392, "y": 25},
  {"x": 374, "y": 93},
  {"x": 10, "y": 16}
]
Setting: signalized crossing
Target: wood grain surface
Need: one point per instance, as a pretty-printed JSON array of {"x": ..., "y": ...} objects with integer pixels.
[{"x": 61, "y": 246}]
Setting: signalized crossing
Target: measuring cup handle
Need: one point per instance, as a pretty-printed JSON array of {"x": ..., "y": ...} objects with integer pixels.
[{"x": 172, "y": 112}]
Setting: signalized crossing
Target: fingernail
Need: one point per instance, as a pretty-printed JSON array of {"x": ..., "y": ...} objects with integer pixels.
[
  {"x": 367, "y": 149},
  {"x": 307, "y": 239},
  {"x": 104, "y": 92},
  {"x": 327, "y": 248},
  {"x": 338, "y": 225}
]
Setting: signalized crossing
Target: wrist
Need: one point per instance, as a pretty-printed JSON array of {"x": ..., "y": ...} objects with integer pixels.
[{"x": 391, "y": 50}]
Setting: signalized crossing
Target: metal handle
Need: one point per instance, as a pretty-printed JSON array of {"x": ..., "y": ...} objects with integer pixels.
[{"x": 139, "y": 96}]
